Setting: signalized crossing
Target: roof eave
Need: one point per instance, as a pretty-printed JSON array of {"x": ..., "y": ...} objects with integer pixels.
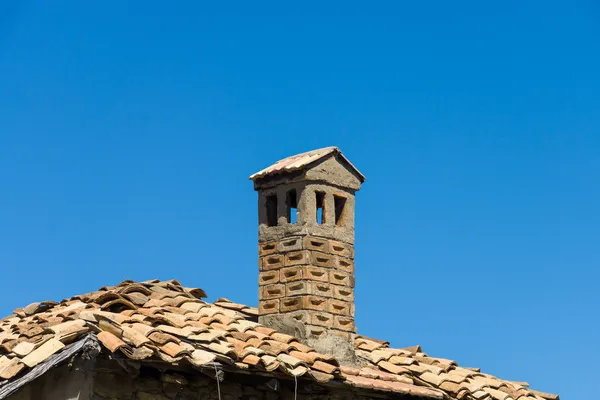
[{"x": 324, "y": 152}]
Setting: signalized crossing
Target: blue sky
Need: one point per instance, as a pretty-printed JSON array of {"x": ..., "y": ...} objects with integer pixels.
[{"x": 128, "y": 132}]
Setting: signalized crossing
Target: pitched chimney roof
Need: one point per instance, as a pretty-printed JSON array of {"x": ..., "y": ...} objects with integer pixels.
[{"x": 300, "y": 161}]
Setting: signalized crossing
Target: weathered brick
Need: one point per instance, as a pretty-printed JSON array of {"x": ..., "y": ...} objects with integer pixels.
[
  {"x": 269, "y": 292},
  {"x": 268, "y": 277},
  {"x": 339, "y": 307},
  {"x": 341, "y": 278},
  {"x": 321, "y": 319},
  {"x": 296, "y": 288},
  {"x": 315, "y": 332},
  {"x": 315, "y": 303},
  {"x": 343, "y": 323},
  {"x": 343, "y": 293},
  {"x": 345, "y": 334},
  {"x": 297, "y": 258},
  {"x": 290, "y": 274},
  {"x": 340, "y": 249},
  {"x": 308, "y": 287},
  {"x": 292, "y": 304},
  {"x": 268, "y": 306},
  {"x": 320, "y": 259},
  {"x": 321, "y": 289},
  {"x": 300, "y": 316},
  {"x": 267, "y": 248},
  {"x": 345, "y": 264},
  {"x": 315, "y": 273},
  {"x": 274, "y": 261},
  {"x": 315, "y": 243},
  {"x": 290, "y": 244}
]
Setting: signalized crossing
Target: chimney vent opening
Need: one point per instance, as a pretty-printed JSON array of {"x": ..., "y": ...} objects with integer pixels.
[
  {"x": 292, "y": 206},
  {"x": 271, "y": 210},
  {"x": 320, "y": 201},
  {"x": 339, "y": 204}
]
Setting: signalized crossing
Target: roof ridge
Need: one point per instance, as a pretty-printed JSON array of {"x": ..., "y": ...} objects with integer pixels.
[{"x": 302, "y": 160}]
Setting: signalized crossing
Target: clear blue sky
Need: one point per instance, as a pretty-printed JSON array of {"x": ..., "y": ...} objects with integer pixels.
[{"x": 128, "y": 132}]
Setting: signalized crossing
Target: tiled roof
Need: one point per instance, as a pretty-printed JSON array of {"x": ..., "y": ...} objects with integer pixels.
[
  {"x": 300, "y": 161},
  {"x": 166, "y": 322},
  {"x": 456, "y": 382}
]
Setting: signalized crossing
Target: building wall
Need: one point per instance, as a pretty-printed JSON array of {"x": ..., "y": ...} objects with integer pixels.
[
  {"x": 107, "y": 380},
  {"x": 64, "y": 382}
]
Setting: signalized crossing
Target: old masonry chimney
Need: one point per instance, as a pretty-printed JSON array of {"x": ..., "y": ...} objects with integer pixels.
[{"x": 306, "y": 249}]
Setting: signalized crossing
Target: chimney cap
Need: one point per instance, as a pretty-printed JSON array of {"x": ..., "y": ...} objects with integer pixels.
[{"x": 303, "y": 160}]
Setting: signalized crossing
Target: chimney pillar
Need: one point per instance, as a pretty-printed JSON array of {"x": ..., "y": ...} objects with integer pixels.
[{"x": 306, "y": 249}]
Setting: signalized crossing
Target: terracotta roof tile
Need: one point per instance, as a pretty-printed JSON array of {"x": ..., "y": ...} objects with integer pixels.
[
  {"x": 42, "y": 353},
  {"x": 300, "y": 161},
  {"x": 164, "y": 321},
  {"x": 442, "y": 374},
  {"x": 10, "y": 367}
]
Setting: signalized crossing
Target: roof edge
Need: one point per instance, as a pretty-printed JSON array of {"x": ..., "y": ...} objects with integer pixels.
[
  {"x": 88, "y": 345},
  {"x": 301, "y": 161}
]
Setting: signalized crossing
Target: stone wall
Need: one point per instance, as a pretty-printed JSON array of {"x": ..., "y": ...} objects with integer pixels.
[
  {"x": 68, "y": 381},
  {"x": 306, "y": 251},
  {"x": 306, "y": 289},
  {"x": 108, "y": 380}
]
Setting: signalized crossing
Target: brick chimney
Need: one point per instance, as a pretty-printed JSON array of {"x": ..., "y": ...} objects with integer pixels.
[{"x": 306, "y": 249}]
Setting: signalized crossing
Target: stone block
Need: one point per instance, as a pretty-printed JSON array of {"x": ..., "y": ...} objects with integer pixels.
[
  {"x": 344, "y": 264},
  {"x": 300, "y": 316},
  {"x": 290, "y": 274},
  {"x": 172, "y": 390},
  {"x": 268, "y": 277},
  {"x": 267, "y": 248},
  {"x": 339, "y": 307},
  {"x": 268, "y": 306},
  {"x": 274, "y": 261},
  {"x": 316, "y": 244},
  {"x": 151, "y": 396},
  {"x": 297, "y": 258},
  {"x": 321, "y": 319},
  {"x": 315, "y": 274},
  {"x": 231, "y": 390},
  {"x": 290, "y": 244},
  {"x": 341, "y": 249},
  {"x": 113, "y": 385},
  {"x": 314, "y": 332},
  {"x": 343, "y": 293},
  {"x": 148, "y": 385},
  {"x": 320, "y": 259},
  {"x": 270, "y": 292},
  {"x": 296, "y": 288},
  {"x": 307, "y": 287},
  {"x": 341, "y": 278},
  {"x": 292, "y": 304},
  {"x": 320, "y": 289},
  {"x": 316, "y": 303},
  {"x": 345, "y": 334},
  {"x": 343, "y": 323}
]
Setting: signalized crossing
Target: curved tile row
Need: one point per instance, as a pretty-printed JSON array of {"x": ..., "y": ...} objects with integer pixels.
[
  {"x": 443, "y": 374},
  {"x": 155, "y": 320}
]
